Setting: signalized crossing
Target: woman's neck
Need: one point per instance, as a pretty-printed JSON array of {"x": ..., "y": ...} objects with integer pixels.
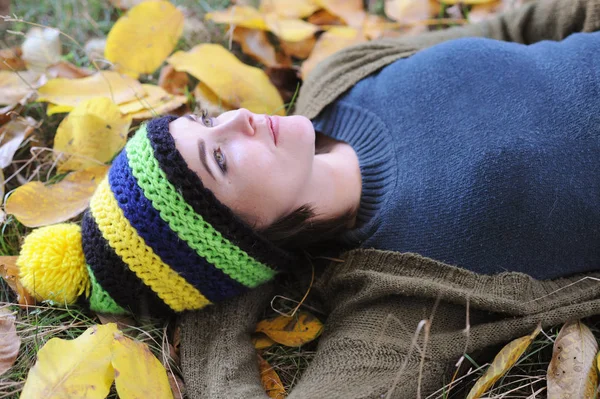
[{"x": 337, "y": 182}]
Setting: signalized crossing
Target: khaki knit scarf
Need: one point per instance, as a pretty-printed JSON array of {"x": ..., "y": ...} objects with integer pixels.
[{"x": 376, "y": 300}]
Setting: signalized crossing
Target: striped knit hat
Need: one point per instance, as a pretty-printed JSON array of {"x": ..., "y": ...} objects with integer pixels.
[{"x": 156, "y": 241}]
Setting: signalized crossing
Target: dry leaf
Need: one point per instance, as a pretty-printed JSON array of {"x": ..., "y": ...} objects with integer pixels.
[
  {"x": 408, "y": 11},
  {"x": 207, "y": 100},
  {"x": 261, "y": 341},
  {"x": 14, "y": 86},
  {"x": 122, "y": 321},
  {"x": 172, "y": 81},
  {"x": 468, "y": 2},
  {"x": 503, "y": 361},
  {"x": 240, "y": 16},
  {"x": 157, "y": 102},
  {"x": 256, "y": 44},
  {"x": 325, "y": 18},
  {"x": 376, "y": 26},
  {"x": 12, "y": 135},
  {"x": 270, "y": 380},
  {"x": 333, "y": 40},
  {"x": 301, "y": 49},
  {"x": 351, "y": 11},
  {"x": 293, "y": 9},
  {"x": 94, "y": 132},
  {"x": 290, "y": 30},
  {"x": 119, "y": 88},
  {"x": 64, "y": 69},
  {"x": 9, "y": 340},
  {"x": 10, "y": 59},
  {"x": 9, "y": 271},
  {"x": 572, "y": 372},
  {"x": 58, "y": 109},
  {"x": 79, "y": 368},
  {"x": 140, "y": 40},
  {"x": 94, "y": 48},
  {"x": 35, "y": 204},
  {"x": 235, "y": 83},
  {"x": 41, "y": 48},
  {"x": 138, "y": 373},
  {"x": 177, "y": 386},
  {"x": 291, "y": 331}
]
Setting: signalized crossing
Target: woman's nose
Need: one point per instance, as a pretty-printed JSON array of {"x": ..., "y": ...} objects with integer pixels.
[{"x": 241, "y": 122}]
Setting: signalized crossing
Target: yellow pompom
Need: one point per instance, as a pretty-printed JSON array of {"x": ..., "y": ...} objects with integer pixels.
[{"x": 51, "y": 264}]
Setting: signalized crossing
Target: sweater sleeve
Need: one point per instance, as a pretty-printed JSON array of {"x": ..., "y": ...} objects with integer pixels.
[{"x": 534, "y": 22}]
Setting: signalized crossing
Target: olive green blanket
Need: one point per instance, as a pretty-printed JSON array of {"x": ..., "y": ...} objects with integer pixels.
[{"x": 376, "y": 343}]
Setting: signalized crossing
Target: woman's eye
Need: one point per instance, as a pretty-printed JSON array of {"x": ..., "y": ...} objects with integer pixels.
[
  {"x": 207, "y": 121},
  {"x": 220, "y": 159}
]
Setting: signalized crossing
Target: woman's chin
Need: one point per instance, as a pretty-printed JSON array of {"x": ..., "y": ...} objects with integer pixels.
[{"x": 298, "y": 127}]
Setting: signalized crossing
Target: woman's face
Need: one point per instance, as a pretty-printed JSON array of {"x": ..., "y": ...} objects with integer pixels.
[{"x": 257, "y": 165}]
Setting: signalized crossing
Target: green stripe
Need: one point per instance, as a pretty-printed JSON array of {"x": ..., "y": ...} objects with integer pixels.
[
  {"x": 100, "y": 300},
  {"x": 189, "y": 226}
]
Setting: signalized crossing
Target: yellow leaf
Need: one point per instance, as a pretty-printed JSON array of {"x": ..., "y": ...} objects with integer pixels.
[
  {"x": 289, "y": 8},
  {"x": 235, "y": 83},
  {"x": 254, "y": 42},
  {"x": 330, "y": 42},
  {"x": 291, "y": 331},
  {"x": 351, "y": 11},
  {"x": 270, "y": 380},
  {"x": 300, "y": 49},
  {"x": 9, "y": 340},
  {"x": 208, "y": 100},
  {"x": 119, "y": 88},
  {"x": 172, "y": 81},
  {"x": 261, "y": 341},
  {"x": 503, "y": 361},
  {"x": 138, "y": 374},
  {"x": 157, "y": 102},
  {"x": 94, "y": 131},
  {"x": 58, "y": 109},
  {"x": 140, "y": 40},
  {"x": 242, "y": 16},
  {"x": 572, "y": 372},
  {"x": 78, "y": 368},
  {"x": 35, "y": 204},
  {"x": 14, "y": 86},
  {"x": 291, "y": 30}
]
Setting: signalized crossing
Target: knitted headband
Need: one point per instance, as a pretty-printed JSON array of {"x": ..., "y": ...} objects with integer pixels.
[{"x": 154, "y": 240}]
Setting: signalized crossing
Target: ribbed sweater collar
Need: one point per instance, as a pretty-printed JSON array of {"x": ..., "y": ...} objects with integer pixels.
[{"x": 370, "y": 138}]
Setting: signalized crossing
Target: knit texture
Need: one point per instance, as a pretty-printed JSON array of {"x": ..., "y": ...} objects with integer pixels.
[
  {"x": 157, "y": 242},
  {"x": 376, "y": 299}
]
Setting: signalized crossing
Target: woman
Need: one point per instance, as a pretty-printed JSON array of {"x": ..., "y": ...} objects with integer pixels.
[{"x": 500, "y": 202}]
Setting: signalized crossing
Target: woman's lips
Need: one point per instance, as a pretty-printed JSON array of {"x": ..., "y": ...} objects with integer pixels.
[{"x": 273, "y": 123}]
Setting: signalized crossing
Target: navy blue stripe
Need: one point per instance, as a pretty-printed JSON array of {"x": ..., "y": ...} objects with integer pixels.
[
  {"x": 115, "y": 277},
  {"x": 215, "y": 285}
]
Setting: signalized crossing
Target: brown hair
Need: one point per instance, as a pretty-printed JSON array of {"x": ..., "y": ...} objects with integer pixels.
[{"x": 300, "y": 229}]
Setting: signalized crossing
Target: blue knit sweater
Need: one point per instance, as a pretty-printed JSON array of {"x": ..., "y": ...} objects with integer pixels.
[{"x": 481, "y": 154}]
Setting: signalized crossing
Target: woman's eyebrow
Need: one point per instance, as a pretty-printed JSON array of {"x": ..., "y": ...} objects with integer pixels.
[{"x": 202, "y": 154}]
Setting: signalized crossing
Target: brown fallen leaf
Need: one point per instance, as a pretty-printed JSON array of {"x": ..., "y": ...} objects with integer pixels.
[
  {"x": 289, "y": 8},
  {"x": 256, "y": 44},
  {"x": 300, "y": 49},
  {"x": 64, "y": 69},
  {"x": 503, "y": 361},
  {"x": 270, "y": 380},
  {"x": 35, "y": 204},
  {"x": 572, "y": 370},
  {"x": 10, "y": 342},
  {"x": 12, "y": 135},
  {"x": 9, "y": 271},
  {"x": 325, "y": 18},
  {"x": 176, "y": 384},
  {"x": 287, "y": 80},
  {"x": 291, "y": 331},
  {"x": 172, "y": 81},
  {"x": 10, "y": 59},
  {"x": 408, "y": 11},
  {"x": 122, "y": 321},
  {"x": 14, "y": 86}
]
